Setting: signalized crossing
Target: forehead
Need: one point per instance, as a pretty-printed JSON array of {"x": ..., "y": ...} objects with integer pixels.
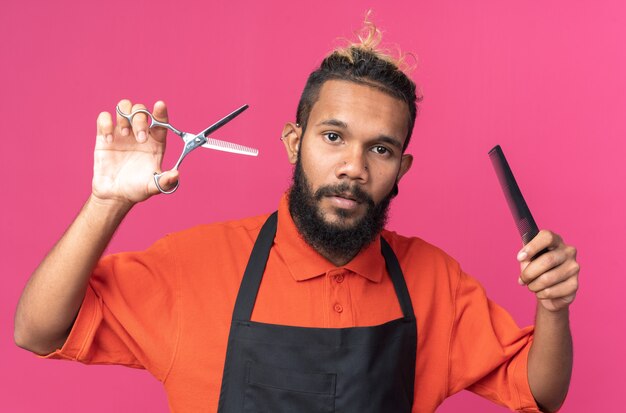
[{"x": 361, "y": 107}]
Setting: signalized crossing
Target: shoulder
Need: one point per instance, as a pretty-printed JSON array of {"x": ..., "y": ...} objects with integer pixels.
[
  {"x": 414, "y": 250},
  {"x": 198, "y": 245},
  {"x": 233, "y": 231},
  {"x": 431, "y": 275}
]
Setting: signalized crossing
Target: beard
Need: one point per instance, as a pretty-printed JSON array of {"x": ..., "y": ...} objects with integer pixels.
[{"x": 335, "y": 239}]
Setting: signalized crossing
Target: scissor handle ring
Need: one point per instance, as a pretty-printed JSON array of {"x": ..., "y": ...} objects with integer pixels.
[
  {"x": 163, "y": 191},
  {"x": 153, "y": 121}
]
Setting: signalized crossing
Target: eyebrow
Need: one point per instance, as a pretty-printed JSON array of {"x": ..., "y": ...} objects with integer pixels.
[
  {"x": 341, "y": 124},
  {"x": 391, "y": 141},
  {"x": 333, "y": 122}
]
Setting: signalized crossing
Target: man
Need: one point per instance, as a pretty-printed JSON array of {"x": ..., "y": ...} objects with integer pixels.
[{"x": 316, "y": 308}]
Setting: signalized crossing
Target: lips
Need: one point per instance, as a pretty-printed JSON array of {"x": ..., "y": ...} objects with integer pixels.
[
  {"x": 348, "y": 197},
  {"x": 345, "y": 201},
  {"x": 345, "y": 192}
]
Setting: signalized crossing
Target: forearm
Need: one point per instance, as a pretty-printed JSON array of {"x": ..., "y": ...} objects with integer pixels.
[
  {"x": 550, "y": 358},
  {"x": 53, "y": 295}
]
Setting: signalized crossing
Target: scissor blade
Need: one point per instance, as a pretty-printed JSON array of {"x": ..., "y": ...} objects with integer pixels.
[
  {"x": 229, "y": 147},
  {"x": 222, "y": 121}
]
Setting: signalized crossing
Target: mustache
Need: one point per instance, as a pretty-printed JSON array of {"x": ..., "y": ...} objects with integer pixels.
[{"x": 346, "y": 190}]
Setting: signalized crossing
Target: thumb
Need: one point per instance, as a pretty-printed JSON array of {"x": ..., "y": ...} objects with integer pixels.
[{"x": 168, "y": 181}]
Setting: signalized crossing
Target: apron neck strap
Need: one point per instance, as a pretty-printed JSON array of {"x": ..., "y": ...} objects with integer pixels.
[
  {"x": 254, "y": 270},
  {"x": 397, "y": 278}
]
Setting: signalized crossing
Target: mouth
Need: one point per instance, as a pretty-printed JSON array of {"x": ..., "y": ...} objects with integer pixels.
[
  {"x": 344, "y": 200},
  {"x": 347, "y": 196},
  {"x": 343, "y": 197}
]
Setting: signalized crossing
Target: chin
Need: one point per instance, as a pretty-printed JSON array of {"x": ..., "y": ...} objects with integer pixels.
[{"x": 342, "y": 218}]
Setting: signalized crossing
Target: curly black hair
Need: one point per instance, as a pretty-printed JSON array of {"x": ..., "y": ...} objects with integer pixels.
[{"x": 361, "y": 63}]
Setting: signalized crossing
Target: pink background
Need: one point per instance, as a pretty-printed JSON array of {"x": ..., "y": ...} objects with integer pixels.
[{"x": 546, "y": 80}]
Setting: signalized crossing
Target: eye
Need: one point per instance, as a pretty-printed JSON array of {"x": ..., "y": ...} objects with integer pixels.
[
  {"x": 381, "y": 150},
  {"x": 332, "y": 137}
]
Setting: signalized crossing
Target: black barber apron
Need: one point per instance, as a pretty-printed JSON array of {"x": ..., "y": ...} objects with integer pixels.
[{"x": 281, "y": 369}]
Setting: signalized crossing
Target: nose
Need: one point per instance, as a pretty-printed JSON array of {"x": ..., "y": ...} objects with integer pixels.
[{"x": 353, "y": 166}]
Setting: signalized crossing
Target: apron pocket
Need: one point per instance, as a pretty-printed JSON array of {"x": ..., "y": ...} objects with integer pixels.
[{"x": 276, "y": 390}]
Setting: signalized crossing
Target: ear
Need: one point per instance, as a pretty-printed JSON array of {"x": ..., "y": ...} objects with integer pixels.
[
  {"x": 291, "y": 137},
  {"x": 405, "y": 165}
]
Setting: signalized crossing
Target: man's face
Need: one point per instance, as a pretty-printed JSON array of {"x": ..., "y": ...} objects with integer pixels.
[{"x": 351, "y": 151}]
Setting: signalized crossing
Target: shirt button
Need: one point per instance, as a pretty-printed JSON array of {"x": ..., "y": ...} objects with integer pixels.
[
  {"x": 338, "y": 308},
  {"x": 339, "y": 278}
]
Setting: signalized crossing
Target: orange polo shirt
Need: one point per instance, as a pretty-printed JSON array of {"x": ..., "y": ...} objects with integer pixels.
[{"x": 168, "y": 310}]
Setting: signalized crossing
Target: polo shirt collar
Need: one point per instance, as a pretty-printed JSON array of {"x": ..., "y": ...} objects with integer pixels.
[{"x": 305, "y": 263}]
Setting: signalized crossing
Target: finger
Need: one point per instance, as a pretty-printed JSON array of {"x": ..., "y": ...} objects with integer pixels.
[
  {"x": 167, "y": 181},
  {"x": 543, "y": 264},
  {"x": 547, "y": 262},
  {"x": 104, "y": 128},
  {"x": 557, "y": 304},
  {"x": 544, "y": 240},
  {"x": 565, "y": 289},
  {"x": 122, "y": 124},
  {"x": 140, "y": 124},
  {"x": 555, "y": 277},
  {"x": 160, "y": 113}
]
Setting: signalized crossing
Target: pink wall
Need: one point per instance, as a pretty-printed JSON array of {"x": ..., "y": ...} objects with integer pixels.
[{"x": 546, "y": 80}]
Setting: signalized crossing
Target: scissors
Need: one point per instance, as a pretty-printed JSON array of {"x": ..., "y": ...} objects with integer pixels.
[{"x": 193, "y": 141}]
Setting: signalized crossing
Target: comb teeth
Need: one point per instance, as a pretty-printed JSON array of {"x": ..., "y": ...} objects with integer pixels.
[
  {"x": 232, "y": 147},
  {"x": 519, "y": 209},
  {"x": 525, "y": 229}
]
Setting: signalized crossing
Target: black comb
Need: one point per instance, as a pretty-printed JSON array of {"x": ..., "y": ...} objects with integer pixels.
[{"x": 521, "y": 214}]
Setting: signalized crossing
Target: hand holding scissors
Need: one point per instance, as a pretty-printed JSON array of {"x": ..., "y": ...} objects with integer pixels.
[{"x": 193, "y": 141}]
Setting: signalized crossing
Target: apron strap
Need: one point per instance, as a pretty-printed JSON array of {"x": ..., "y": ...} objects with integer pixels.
[
  {"x": 254, "y": 270},
  {"x": 397, "y": 278}
]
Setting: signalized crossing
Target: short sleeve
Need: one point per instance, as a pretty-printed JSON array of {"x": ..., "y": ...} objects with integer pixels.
[
  {"x": 130, "y": 313},
  {"x": 488, "y": 351}
]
